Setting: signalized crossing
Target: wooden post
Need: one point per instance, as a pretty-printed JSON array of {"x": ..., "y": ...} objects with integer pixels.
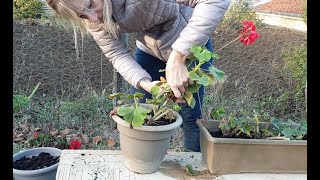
[{"x": 118, "y": 82}]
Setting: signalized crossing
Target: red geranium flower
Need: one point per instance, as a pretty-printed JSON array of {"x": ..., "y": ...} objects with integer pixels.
[
  {"x": 248, "y": 33},
  {"x": 75, "y": 144},
  {"x": 35, "y": 134},
  {"x": 250, "y": 38},
  {"x": 248, "y": 26}
]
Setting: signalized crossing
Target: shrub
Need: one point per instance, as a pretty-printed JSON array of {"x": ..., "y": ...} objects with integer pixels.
[
  {"x": 295, "y": 66},
  {"x": 238, "y": 12},
  {"x": 19, "y": 102},
  {"x": 23, "y": 9},
  {"x": 305, "y": 12}
]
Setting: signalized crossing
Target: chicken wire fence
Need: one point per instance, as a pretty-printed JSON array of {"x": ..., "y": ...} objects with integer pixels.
[{"x": 46, "y": 53}]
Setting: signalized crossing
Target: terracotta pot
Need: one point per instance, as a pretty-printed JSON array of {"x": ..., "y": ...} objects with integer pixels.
[
  {"x": 145, "y": 147},
  {"x": 235, "y": 155},
  {"x": 47, "y": 173}
]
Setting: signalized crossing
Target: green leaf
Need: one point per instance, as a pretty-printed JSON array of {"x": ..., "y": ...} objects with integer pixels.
[
  {"x": 303, "y": 127},
  {"x": 247, "y": 132},
  {"x": 194, "y": 76},
  {"x": 112, "y": 96},
  {"x": 232, "y": 122},
  {"x": 206, "y": 55},
  {"x": 205, "y": 80},
  {"x": 276, "y": 123},
  {"x": 142, "y": 110},
  {"x": 196, "y": 49},
  {"x": 135, "y": 116},
  {"x": 138, "y": 95},
  {"x": 188, "y": 97},
  {"x": 176, "y": 107},
  {"x": 198, "y": 56},
  {"x": 193, "y": 103},
  {"x": 217, "y": 73},
  {"x": 126, "y": 113},
  {"x": 218, "y": 113},
  {"x": 154, "y": 101},
  {"x": 155, "y": 90},
  {"x": 225, "y": 127},
  {"x": 193, "y": 88},
  {"x": 215, "y": 56},
  {"x": 288, "y": 133},
  {"x": 130, "y": 96},
  {"x": 140, "y": 114},
  {"x": 191, "y": 171}
]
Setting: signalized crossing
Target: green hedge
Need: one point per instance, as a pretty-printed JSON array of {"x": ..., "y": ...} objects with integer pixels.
[{"x": 23, "y": 9}]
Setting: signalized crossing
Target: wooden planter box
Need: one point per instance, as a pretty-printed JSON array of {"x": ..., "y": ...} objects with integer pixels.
[{"x": 234, "y": 155}]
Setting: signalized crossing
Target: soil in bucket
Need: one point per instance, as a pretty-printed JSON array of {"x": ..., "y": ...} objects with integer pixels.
[{"x": 35, "y": 162}]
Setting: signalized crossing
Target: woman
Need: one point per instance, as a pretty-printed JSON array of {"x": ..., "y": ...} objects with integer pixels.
[{"x": 165, "y": 30}]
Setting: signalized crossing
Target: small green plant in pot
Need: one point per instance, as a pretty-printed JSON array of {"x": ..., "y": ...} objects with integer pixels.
[
  {"x": 156, "y": 111},
  {"x": 144, "y": 128},
  {"x": 256, "y": 126}
]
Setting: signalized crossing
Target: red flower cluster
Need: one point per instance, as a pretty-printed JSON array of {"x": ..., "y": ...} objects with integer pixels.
[
  {"x": 35, "y": 134},
  {"x": 75, "y": 144},
  {"x": 248, "y": 33}
]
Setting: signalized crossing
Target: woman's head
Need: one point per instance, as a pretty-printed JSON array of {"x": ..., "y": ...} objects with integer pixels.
[{"x": 86, "y": 13}]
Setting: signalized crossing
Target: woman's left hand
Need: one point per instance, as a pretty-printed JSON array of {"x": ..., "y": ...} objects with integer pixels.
[{"x": 177, "y": 74}]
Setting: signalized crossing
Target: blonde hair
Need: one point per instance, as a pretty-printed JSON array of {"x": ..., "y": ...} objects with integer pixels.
[{"x": 66, "y": 9}]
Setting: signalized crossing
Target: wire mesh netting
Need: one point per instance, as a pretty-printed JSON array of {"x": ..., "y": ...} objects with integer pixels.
[
  {"x": 256, "y": 75},
  {"x": 43, "y": 52},
  {"x": 47, "y": 54}
]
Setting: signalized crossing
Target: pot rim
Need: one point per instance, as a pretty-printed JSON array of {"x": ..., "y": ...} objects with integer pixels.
[{"x": 38, "y": 171}]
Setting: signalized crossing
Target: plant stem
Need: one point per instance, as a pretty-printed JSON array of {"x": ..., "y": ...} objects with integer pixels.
[
  {"x": 136, "y": 101},
  {"x": 228, "y": 44},
  {"x": 34, "y": 90},
  {"x": 157, "y": 113},
  {"x": 160, "y": 94},
  {"x": 201, "y": 108},
  {"x": 154, "y": 109},
  {"x": 198, "y": 66},
  {"x": 165, "y": 103},
  {"x": 161, "y": 115}
]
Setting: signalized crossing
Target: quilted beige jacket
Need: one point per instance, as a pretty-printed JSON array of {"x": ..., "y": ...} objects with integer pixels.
[{"x": 159, "y": 26}]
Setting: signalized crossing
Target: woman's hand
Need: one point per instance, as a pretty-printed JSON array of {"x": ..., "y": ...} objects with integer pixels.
[
  {"x": 147, "y": 85},
  {"x": 177, "y": 74}
]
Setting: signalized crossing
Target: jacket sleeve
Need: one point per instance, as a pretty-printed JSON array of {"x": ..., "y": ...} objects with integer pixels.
[
  {"x": 206, "y": 16},
  {"x": 119, "y": 55}
]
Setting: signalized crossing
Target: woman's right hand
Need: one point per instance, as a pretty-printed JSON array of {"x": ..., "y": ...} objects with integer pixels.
[
  {"x": 177, "y": 74},
  {"x": 147, "y": 85}
]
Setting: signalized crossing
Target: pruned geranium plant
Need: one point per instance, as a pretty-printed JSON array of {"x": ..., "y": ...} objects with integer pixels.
[
  {"x": 161, "y": 109},
  {"x": 243, "y": 125},
  {"x": 163, "y": 102}
]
